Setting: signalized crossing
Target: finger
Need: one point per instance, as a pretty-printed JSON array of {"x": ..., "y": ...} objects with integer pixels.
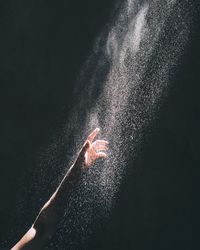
[
  {"x": 93, "y": 135},
  {"x": 100, "y": 147},
  {"x": 101, "y": 142},
  {"x": 101, "y": 155}
]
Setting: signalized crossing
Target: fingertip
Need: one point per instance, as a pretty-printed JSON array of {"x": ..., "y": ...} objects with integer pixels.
[{"x": 102, "y": 155}]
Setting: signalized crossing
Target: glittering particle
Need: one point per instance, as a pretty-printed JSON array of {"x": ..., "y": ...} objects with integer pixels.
[{"x": 126, "y": 77}]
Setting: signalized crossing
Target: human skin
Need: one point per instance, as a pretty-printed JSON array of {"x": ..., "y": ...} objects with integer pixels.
[{"x": 51, "y": 213}]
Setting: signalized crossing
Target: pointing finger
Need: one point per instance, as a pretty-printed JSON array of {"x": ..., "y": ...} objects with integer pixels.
[{"x": 93, "y": 135}]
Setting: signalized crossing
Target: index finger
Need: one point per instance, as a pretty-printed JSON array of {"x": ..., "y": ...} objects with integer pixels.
[{"x": 93, "y": 135}]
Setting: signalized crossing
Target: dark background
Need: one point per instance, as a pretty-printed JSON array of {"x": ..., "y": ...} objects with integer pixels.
[{"x": 42, "y": 47}]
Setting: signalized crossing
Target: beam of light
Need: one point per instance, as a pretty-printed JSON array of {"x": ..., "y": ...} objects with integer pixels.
[{"x": 122, "y": 86}]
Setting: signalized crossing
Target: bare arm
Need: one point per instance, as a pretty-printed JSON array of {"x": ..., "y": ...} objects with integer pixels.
[{"x": 48, "y": 218}]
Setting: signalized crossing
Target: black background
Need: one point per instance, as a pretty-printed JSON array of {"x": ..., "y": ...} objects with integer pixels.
[{"x": 43, "y": 45}]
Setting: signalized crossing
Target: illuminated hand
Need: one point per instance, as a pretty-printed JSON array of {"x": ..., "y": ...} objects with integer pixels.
[{"x": 94, "y": 150}]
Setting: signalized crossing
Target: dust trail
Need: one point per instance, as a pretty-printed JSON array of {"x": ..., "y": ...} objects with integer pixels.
[{"x": 121, "y": 88}]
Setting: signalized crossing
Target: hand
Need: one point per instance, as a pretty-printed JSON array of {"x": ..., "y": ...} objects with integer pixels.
[{"x": 94, "y": 150}]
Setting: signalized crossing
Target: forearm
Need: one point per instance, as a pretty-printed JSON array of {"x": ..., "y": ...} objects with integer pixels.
[
  {"x": 51, "y": 213},
  {"x": 49, "y": 216}
]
